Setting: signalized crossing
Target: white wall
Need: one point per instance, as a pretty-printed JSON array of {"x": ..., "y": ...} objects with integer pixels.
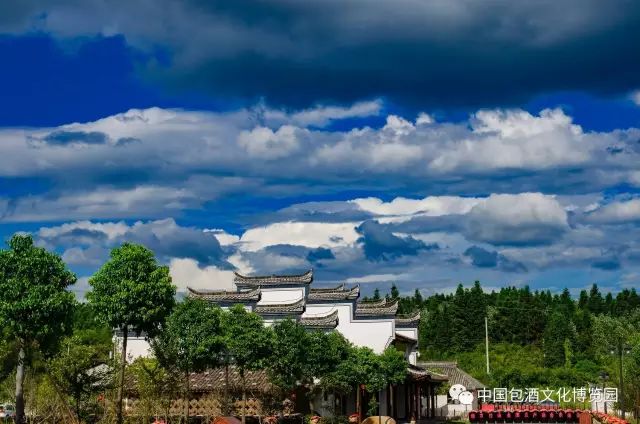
[
  {"x": 136, "y": 347},
  {"x": 375, "y": 333},
  {"x": 408, "y": 332},
  {"x": 281, "y": 295}
]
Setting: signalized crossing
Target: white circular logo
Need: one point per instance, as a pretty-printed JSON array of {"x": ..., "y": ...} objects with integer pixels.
[
  {"x": 466, "y": 397},
  {"x": 455, "y": 391}
]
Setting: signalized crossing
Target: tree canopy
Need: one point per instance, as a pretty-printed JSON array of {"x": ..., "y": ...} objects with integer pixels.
[
  {"x": 131, "y": 290},
  {"x": 35, "y": 306}
]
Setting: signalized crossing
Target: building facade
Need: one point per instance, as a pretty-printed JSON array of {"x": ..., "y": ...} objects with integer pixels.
[{"x": 373, "y": 324}]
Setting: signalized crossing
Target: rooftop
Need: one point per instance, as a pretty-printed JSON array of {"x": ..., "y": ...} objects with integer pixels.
[
  {"x": 410, "y": 320},
  {"x": 329, "y": 321},
  {"x": 377, "y": 308},
  {"x": 226, "y": 296},
  {"x": 418, "y": 373},
  {"x": 455, "y": 374},
  {"x": 273, "y": 280},
  {"x": 340, "y": 292},
  {"x": 293, "y": 308}
]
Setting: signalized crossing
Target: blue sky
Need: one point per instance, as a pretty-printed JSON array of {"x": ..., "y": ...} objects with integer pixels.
[{"x": 417, "y": 143}]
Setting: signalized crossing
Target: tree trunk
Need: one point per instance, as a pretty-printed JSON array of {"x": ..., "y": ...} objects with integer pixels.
[
  {"x": 227, "y": 401},
  {"x": 244, "y": 398},
  {"x": 77, "y": 406},
  {"x": 123, "y": 362},
  {"x": 358, "y": 402},
  {"x": 20, "y": 418},
  {"x": 186, "y": 398}
]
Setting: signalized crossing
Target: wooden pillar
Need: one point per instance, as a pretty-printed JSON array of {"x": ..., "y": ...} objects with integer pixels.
[
  {"x": 416, "y": 407},
  {"x": 419, "y": 415},
  {"x": 433, "y": 401},
  {"x": 428, "y": 399},
  {"x": 407, "y": 402}
]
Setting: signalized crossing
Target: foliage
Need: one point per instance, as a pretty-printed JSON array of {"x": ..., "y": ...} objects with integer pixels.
[
  {"x": 324, "y": 352},
  {"x": 131, "y": 290},
  {"x": 35, "y": 307},
  {"x": 287, "y": 364},
  {"x": 155, "y": 385},
  {"x": 193, "y": 336},
  {"x": 355, "y": 369},
  {"x": 246, "y": 339},
  {"x": 80, "y": 371},
  {"x": 388, "y": 368},
  {"x": 537, "y": 338},
  {"x": 558, "y": 336},
  {"x": 247, "y": 342},
  {"x": 81, "y": 368}
]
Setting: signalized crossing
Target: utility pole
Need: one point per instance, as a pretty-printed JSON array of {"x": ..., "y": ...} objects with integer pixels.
[
  {"x": 621, "y": 352},
  {"x": 486, "y": 342}
]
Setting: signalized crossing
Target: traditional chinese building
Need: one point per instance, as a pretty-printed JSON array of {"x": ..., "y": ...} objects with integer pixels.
[{"x": 373, "y": 324}]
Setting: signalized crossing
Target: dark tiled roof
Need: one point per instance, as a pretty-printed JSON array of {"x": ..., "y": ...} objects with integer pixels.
[
  {"x": 366, "y": 309},
  {"x": 339, "y": 287},
  {"x": 417, "y": 373},
  {"x": 337, "y": 293},
  {"x": 405, "y": 339},
  {"x": 296, "y": 307},
  {"x": 372, "y": 303},
  {"x": 412, "y": 320},
  {"x": 214, "y": 380},
  {"x": 455, "y": 374},
  {"x": 328, "y": 321},
  {"x": 226, "y": 296},
  {"x": 273, "y": 280}
]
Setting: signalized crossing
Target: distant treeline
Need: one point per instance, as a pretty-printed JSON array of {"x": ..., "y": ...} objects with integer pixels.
[{"x": 536, "y": 338}]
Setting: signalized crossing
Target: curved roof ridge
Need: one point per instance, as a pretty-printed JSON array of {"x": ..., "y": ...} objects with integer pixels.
[
  {"x": 296, "y": 307},
  {"x": 328, "y": 321},
  {"x": 339, "y": 287},
  {"x": 338, "y": 294},
  {"x": 257, "y": 280},
  {"x": 226, "y": 296},
  {"x": 377, "y": 308}
]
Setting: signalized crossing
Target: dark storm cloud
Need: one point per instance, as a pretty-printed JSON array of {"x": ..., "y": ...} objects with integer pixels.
[
  {"x": 319, "y": 254},
  {"x": 443, "y": 53},
  {"x": 62, "y": 138},
  {"x": 483, "y": 258},
  {"x": 380, "y": 244},
  {"x": 165, "y": 237}
]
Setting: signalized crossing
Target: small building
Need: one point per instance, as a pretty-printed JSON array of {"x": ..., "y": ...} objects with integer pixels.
[{"x": 444, "y": 405}]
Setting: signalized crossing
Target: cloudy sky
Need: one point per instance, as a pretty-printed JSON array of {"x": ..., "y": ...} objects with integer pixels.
[{"x": 422, "y": 143}]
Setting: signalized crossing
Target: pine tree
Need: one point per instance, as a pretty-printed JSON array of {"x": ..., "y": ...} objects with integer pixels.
[
  {"x": 395, "y": 294},
  {"x": 376, "y": 294}
]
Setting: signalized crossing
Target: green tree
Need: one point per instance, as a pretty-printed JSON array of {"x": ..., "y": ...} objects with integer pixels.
[
  {"x": 35, "y": 307},
  {"x": 390, "y": 368},
  {"x": 157, "y": 386},
  {"x": 80, "y": 370},
  {"x": 193, "y": 337},
  {"x": 288, "y": 362},
  {"x": 358, "y": 366},
  {"x": 247, "y": 341},
  {"x": 395, "y": 293},
  {"x": 376, "y": 294},
  {"x": 558, "y": 337},
  {"x": 131, "y": 292}
]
